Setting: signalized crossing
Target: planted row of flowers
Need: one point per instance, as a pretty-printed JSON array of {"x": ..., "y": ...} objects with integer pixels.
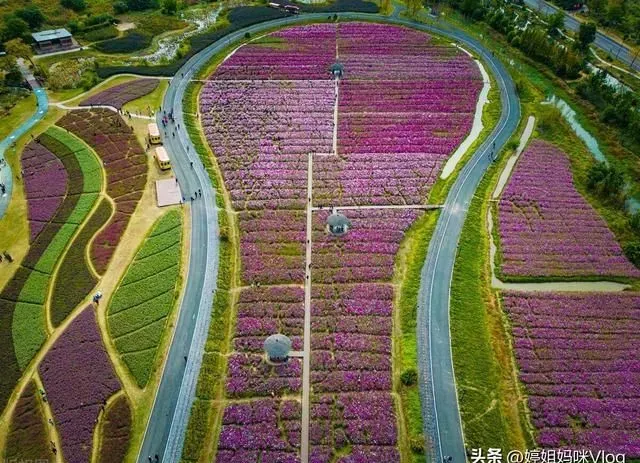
[
  {"x": 116, "y": 429},
  {"x": 546, "y": 227},
  {"x": 578, "y": 359},
  {"x": 119, "y": 95},
  {"x": 261, "y": 133},
  {"x": 262, "y": 120},
  {"x": 23, "y": 326},
  {"x": 126, "y": 170},
  {"x": 138, "y": 311}
]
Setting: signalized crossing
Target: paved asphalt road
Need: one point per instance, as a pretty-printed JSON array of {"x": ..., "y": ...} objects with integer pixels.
[
  {"x": 602, "y": 41},
  {"x": 6, "y": 177},
  {"x": 165, "y": 432}
]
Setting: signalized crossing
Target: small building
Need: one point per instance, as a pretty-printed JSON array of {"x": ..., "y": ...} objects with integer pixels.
[
  {"x": 154, "y": 133},
  {"x": 293, "y": 9},
  {"x": 338, "y": 224},
  {"x": 277, "y": 348},
  {"x": 337, "y": 70},
  {"x": 53, "y": 40},
  {"x": 162, "y": 158}
]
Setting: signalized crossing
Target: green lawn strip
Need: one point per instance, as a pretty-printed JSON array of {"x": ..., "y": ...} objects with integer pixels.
[
  {"x": 28, "y": 436},
  {"x": 409, "y": 265},
  {"x": 480, "y": 354},
  {"x": 74, "y": 279},
  {"x": 138, "y": 311}
]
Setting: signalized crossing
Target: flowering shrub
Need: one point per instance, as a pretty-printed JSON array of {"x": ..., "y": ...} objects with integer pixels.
[
  {"x": 78, "y": 379},
  {"x": 118, "y": 95},
  {"x": 578, "y": 359},
  {"x": 28, "y": 437},
  {"x": 138, "y": 311},
  {"x": 547, "y": 229},
  {"x": 126, "y": 167},
  {"x": 403, "y": 105}
]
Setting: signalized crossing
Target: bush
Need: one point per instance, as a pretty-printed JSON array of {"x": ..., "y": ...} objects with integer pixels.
[
  {"x": 634, "y": 222},
  {"x": 632, "y": 251},
  {"x": 409, "y": 377},
  {"x": 606, "y": 181},
  {"x": 120, "y": 7},
  {"x": 131, "y": 42},
  {"x": 417, "y": 444},
  {"x": 75, "y": 5}
]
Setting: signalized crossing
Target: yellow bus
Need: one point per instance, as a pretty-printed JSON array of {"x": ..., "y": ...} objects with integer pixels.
[
  {"x": 162, "y": 158},
  {"x": 154, "y": 133}
]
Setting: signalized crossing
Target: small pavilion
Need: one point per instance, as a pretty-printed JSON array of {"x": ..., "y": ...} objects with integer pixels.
[
  {"x": 277, "y": 348},
  {"x": 338, "y": 224},
  {"x": 337, "y": 70}
]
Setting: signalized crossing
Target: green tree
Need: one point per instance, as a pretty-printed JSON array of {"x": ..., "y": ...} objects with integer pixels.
[
  {"x": 586, "y": 35},
  {"x": 19, "y": 49},
  {"x": 632, "y": 251},
  {"x": 169, "y": 7},
  {"x": 32, "y": 15},
  {"x": 14, "y": 28},
  {"x": 634, "y": 222},
  {"x": 607, "y": 181},
  {"x": 75, "y": 5},
  {"x": 555, "y": 23}
]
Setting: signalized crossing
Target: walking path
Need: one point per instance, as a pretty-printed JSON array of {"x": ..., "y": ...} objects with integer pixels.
[
  {"x": 511, "y": 162},
  {"x": 306, "y": 364},
  {"x": 42, "y": 105},
  {"x": 425, "y": 207}
]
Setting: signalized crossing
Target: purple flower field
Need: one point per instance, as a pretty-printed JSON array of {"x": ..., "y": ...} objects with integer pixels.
[
  {"x": 403, "y": 105},
  {"x": 547, "y": 229},
  {"x": 119, "y": 95},
  {"x": 45, "y": 184},
  {"x": 78, "y": 378},
  {"x": 578, "y": 359}
]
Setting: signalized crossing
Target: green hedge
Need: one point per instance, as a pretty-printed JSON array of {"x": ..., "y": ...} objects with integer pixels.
[
  {"x": 132, "y": 41},
  {"x": 138, "y": 312}
]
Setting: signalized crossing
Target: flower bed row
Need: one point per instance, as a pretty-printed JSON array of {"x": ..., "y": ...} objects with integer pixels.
[
  {"x": 23, "y": 324},
  {"x": 28, "y": 436},
  {"x": 116, "y": 427},
  {"x": 261, "y": 133},
  {"x": 45, "y": 185},
  {"x": 302, "y": 54},
  {"x": 126, "y": 168},
  {"x": 138, "y": 311},
  {"x": 546, "y": 227},
  {"x": 78, "y": 379},
  {"x": 119, "y": 95},
  {"x": 75, "y": 280},
  {"x": 579, "y": 364}
]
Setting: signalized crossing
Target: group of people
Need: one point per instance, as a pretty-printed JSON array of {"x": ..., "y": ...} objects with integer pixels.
[{"x": 6, "y": 256}]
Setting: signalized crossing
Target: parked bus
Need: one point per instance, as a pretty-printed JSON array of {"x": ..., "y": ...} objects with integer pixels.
[
  {"x": 154, "y": 133},
  {"x": 162, "y": 158}
]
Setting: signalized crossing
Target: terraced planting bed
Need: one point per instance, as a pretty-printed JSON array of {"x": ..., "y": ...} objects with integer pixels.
[
  {"x": 403, "y": 105},
  {"x": 548, "y": 230},
  {"x": 126, "y": 168},
  {"x": 138, "y": 311},
  {"x": 24, "y": 324},
  {"x": 119, "y": 95}
]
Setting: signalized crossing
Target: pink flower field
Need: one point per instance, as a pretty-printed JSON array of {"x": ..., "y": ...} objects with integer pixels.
[
  {"x": 402, "y": 106},
  {"x": 578, "y": 360},
  {"x": 547, "y": 229},
  {"x": 45, "y": 184}
]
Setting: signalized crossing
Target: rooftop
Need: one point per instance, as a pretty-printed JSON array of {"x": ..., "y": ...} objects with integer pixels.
[
  {"x": 277, "y": 346},
  {"x": 51, "y": 35}
]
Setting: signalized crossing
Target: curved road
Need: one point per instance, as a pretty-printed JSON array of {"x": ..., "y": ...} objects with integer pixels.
[
  {"x": 168, "y": 420},
  {"x": 602, "y": 41}
]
